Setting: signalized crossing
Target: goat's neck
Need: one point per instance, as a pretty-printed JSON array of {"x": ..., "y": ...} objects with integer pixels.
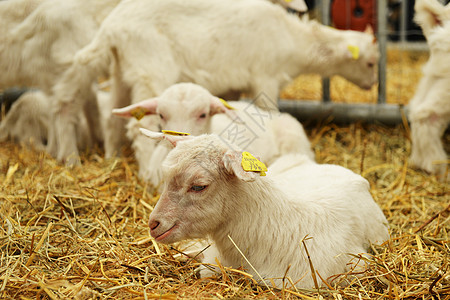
[
  {"x": 319, "y": 49},
  {"x": 261, "y": 215}
]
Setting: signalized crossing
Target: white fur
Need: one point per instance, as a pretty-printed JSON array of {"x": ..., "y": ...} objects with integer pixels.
[
  {"x": 257, "y": 48},
  {"x": 28, "y": 120},
  {"x": 190, "y": 108},
  {"x": 430, "y": 107},
  {"x": 37, "y": 43},
  {"x": 267, "y": 217},
  {"x": 38, "y": 39},
  {"x": 13, "y": 12},
  {"x": 297, "y": 5}
]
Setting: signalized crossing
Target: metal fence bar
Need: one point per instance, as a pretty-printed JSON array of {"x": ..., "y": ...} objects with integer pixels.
[
  {"x": 382, "y": 42},
  {"x": 389, "y": 114},
  {"x": 305, "y": 111},
  {"x": 326, "y": 17},
  {"x": 403, "y": 20}
]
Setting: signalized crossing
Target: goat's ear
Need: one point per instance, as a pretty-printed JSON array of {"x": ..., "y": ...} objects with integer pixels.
[
  {"x": 353, "y": 52},
  {"x": 369, "y": 29},
  {"x": 298, "y": 5},
  {"x": 220, "y": 106},
  {"x": 173, "y": 139},
  {"x": 232, "y": 160},
  {"x": 138, "y": 110}
]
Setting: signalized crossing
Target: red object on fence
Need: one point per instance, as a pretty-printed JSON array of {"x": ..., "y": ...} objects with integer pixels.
[{"x": 353, "y": 14}]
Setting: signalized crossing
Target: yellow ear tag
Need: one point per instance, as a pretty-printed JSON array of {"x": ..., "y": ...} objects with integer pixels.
[
  {"x": 225, "y": 103},
  {"x": 288, "y": 1},
  {"x": 171, "y": 132},
  {"x": 251, "y": 164},
  {"x": 138, "y": 113},
  {"x": 354, "y": 50}
]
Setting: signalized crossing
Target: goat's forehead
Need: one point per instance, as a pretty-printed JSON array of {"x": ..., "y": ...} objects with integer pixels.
[
  {"x": 202, "y": 152},
  {"x": 187, "y": 94},
  {"x": 195, "y": 171},
  {"x": 185, "y": 107},
  {"x": 367, "y": 41}
]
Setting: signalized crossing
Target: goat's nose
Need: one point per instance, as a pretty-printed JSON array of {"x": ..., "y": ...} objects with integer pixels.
[{"x": 153, "y": 224}]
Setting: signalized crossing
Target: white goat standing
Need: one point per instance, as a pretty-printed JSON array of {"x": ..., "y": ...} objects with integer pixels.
[
  {"x": 207, "y": 194},
  {"x": 14, "y": 12},
  {"x": 257, "y": 48},
  {"x": 43, "y": 36},
  {"x": 188, "y": 107},
  {"x": 430, "y": 107},
  {"x": 36, "y": 47}
]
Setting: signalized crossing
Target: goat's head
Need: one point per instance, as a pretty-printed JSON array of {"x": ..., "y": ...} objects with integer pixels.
[
  {"x": 201, "y": 180},
  {"x": 184, "y": 107}
]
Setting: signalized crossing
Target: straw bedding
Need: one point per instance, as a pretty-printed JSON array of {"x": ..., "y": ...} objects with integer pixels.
[{"x": 82, "y": 233}]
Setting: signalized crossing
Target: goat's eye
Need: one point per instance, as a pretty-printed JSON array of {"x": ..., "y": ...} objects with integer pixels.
[
  {"x": 202, "y": 116},
  {"x": 198, "y": 188},
  {"x": 161, "y": 116},
  {"x": 370, "y": 65}
]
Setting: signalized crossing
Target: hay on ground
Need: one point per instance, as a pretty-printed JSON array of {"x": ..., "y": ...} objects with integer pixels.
[{"x": 82, "y": 233}]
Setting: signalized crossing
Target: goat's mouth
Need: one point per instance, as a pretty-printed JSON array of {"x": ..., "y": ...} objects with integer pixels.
[
  {"x": 367, "y": 87},
  {"x": 166, "y": 233}
]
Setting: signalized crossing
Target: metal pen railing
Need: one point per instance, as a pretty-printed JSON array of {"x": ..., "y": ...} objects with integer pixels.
[{"x": 348, "y": 112}]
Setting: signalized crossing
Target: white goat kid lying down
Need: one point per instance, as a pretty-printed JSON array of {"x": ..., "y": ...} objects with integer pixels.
[
  {"x": 207, "y": 194},
  {"x": 154, "y": 44},
  {"x": 38, "y": 40},
  {"x": 430, "y": 107},
  {"x": 27, "y": 121},
  {"x": 188, "y": 107}
]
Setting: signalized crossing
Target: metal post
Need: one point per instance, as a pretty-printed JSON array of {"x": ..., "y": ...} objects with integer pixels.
[
  {"x": 382, "y": 42},
  {"x": 403, "y": 20},
  {"x": 325, "y": 15}
]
